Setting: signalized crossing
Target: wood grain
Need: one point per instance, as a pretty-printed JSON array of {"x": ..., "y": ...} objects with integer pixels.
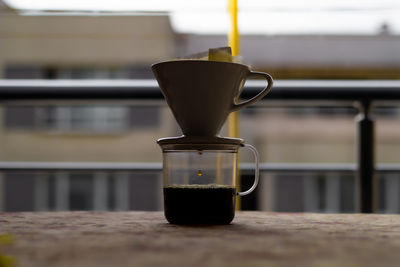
[{"x": 253, "y": 239}]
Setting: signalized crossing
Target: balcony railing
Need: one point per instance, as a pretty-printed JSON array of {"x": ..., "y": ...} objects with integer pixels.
[{"x": 363, "y": 93}]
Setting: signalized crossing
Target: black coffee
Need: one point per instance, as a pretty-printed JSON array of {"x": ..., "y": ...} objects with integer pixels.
[{"x": 199, "y": 204}]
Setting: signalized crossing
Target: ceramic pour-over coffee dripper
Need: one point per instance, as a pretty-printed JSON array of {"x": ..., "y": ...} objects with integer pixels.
[
  {"x": 201, "y": 93},
  {"x": 200, "y": 168}
]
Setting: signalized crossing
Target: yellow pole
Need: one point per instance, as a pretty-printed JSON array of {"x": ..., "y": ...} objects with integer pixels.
[{"x": 233, "y": 39}]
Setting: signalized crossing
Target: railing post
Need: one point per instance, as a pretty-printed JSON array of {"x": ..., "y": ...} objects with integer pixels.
[{"x": 366, "y": 178}]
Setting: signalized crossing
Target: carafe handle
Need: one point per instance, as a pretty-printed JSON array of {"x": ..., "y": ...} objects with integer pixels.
[
  {"x": 259, "y": 95},
  {"x": 256, "y": 174}
]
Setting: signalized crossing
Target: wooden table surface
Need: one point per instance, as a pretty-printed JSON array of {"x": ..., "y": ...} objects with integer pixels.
[{"x": 146, "y": 239}]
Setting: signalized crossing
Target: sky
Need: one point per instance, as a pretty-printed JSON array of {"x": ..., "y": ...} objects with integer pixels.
[{"x": 264, "y": 17}]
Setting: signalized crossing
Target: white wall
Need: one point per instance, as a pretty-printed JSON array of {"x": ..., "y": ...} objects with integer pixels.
[
  {"x": 307, "y": 51},
  {"x": 78, "y": 40}
]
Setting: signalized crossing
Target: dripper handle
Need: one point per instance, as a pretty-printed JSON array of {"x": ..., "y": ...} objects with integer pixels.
[{"x": 259, "y": 95}]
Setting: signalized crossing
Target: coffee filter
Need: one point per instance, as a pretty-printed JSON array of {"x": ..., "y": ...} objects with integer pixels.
[{"x": 223, "y": 54}]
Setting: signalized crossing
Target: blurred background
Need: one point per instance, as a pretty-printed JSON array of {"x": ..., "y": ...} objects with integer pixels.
[{"x": 120, "y": 40}]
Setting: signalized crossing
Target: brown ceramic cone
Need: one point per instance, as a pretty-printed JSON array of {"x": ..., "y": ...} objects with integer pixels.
[{"x": 202, "y": 93}]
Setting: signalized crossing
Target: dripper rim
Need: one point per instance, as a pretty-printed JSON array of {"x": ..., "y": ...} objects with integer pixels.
[
  {"x": 198, "y": 60},
  {"x": 200, "y": 143}
]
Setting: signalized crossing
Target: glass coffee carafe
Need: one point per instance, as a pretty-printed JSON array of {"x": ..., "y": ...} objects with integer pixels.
[{"x": 200, "y": 179}]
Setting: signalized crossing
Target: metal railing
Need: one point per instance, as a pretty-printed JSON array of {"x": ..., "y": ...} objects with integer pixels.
[{"x": 364, "y": 92}]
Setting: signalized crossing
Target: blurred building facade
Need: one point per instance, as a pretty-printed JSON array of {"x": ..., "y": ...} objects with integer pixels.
[{"x": 115, "y": 47}]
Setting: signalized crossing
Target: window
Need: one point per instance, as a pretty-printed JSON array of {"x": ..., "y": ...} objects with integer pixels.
[
  {"x": 81, "y": 118},
  {"x": 84, "y": 118}
]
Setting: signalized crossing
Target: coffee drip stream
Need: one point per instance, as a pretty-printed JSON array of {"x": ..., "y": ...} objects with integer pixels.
[{"x": 200, "y": 167}]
